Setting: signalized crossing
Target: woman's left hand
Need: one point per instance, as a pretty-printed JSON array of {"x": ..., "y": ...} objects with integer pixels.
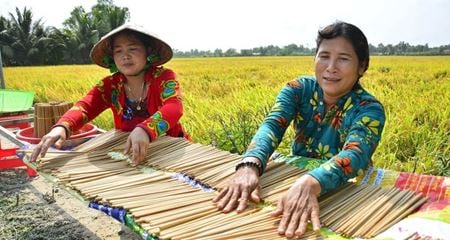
[
  {"x": 137, "y": 144},
  {"x": 299, "y": 205}
]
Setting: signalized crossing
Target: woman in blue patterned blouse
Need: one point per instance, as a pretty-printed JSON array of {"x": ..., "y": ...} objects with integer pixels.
[{"x": 334, "y": 118}]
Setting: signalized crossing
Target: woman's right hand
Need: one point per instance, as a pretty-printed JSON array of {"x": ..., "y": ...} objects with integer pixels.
[
  {"x": 242, "y": 187},
  {"x": 55, "y": 137}
]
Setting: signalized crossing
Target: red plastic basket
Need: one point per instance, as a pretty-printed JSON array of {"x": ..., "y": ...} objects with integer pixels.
[{"x": 26, "y": 134}]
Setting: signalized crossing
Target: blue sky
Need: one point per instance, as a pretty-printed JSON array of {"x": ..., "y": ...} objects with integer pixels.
[{"x": 239, "y": 24}]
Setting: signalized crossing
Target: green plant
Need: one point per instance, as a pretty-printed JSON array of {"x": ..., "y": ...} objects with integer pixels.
[{"x": 236, "y": 132}]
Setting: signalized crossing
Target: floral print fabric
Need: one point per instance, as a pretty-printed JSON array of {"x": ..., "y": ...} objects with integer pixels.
[
  {"x": 163, "y": 104},
  {"x": 346, "y": 135}
]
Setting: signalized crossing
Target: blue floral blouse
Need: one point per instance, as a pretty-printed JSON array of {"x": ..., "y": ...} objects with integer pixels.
[{"x": 346, "y": 135}]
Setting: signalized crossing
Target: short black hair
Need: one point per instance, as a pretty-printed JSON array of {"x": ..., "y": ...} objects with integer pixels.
[{"x": 351, "y": 33}]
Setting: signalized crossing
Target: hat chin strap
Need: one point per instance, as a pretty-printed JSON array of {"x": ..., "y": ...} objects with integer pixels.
[
  {"x": 150, "y": 59},
  {"x": 113, "y": 67}
]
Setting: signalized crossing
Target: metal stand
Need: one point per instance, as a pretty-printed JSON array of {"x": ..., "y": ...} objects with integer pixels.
[{"x": 2, "y": 80}]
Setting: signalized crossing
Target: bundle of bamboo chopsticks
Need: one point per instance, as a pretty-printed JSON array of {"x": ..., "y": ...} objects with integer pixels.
[{"x": 46, "y": 115}]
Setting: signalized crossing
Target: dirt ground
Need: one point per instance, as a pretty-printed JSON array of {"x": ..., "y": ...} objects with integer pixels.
[{"x": 34, "y": 208}]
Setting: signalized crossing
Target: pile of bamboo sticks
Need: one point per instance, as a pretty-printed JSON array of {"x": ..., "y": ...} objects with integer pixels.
[
  {"x": 207, "y": 164},
  {"x": 251, "y": 224},
  {"x": 109, "y": 141},
  {"x": 366, "y": 210},
  {"x": 171, "y": 210},
  {"x": 156, "y": 200},
  {"x": 46, "y": 115},
  {"x": 277, "y": 180},
  {"x": 162, "y": 205}
]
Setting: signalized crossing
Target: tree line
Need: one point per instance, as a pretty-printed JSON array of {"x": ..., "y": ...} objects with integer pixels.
[
  {"x": 402, "y": 48},
  {"x": 25, "y": 42}
]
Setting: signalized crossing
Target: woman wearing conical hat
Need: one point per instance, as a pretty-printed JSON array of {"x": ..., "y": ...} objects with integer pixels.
[{"x": 143, "y": 96}]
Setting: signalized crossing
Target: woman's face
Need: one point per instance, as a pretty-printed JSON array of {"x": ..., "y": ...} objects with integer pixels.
[
  {"x": 337, "y": 68},
  {"x": 129, "y": 54}
]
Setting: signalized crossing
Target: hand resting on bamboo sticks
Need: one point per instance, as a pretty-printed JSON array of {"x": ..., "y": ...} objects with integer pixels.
[
  {"x": 299, "y": 203},
  {"x": 244, "y": 186},
  {"x": 334, "y": 119},
  {"x": 55, "y": 137},
  {"x": 144, "y": 96},
  {"x": 137, "y": 144}
]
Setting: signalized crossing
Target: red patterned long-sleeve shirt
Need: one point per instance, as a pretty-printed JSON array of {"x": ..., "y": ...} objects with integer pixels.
[{"x": 163, "y": 103}]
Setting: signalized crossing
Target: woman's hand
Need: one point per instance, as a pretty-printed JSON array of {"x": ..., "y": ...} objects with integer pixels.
[
  {"x": 55, "y": 137},
  {"x": 241, "y": 188},
  {"x": 137, "y": 144},
  {"x": 299, "y": 205}
]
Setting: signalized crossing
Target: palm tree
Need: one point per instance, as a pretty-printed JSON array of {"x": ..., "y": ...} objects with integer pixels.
[
  {"x": 57, "y": 50},
  {"x": 4, "y": 23},
  {"x": 82, "y": 34},
  {"x": 26, "y": 40},
  {"x": 108, "y": 16},
  {"x": 5, "y": 41},
  {"x": 84, "y": 29}
]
